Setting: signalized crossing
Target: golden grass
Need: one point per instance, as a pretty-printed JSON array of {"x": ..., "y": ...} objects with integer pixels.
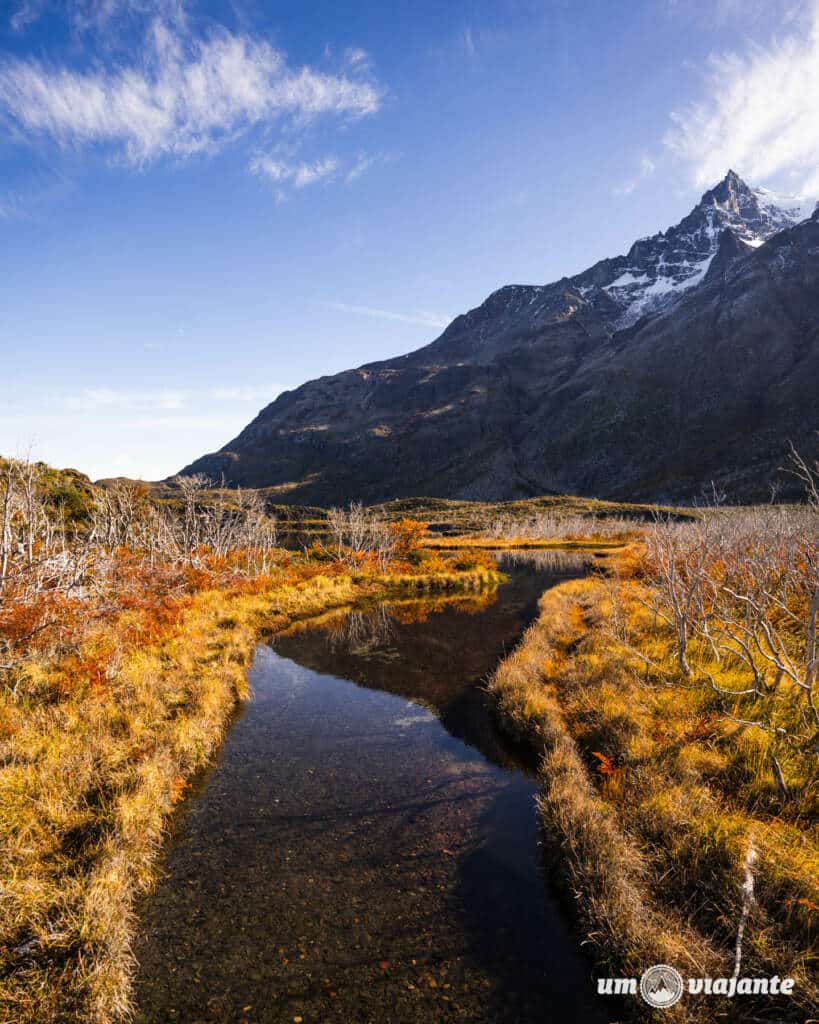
[
  {"x": 653, "y": 798},
  {"x": 464, "y": 579},
  {"x": 519, "y": 544},
  {"x": 89, "y": 774}
]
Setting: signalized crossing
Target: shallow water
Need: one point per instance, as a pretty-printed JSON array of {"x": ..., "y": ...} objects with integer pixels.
[{"x": 367, "y": 852}]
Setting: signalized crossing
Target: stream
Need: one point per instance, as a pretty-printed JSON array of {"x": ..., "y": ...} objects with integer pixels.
[{"x": 366, "y": 847}]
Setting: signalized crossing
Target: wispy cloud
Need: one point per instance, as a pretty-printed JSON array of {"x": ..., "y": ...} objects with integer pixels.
[
  {"x": 117, "y": 400},
  {"x": 363, "y": 162},
  {"x": 286, "y": 172},
  {"x": 26, "y": 14},
  {"x": 245, "y": 394},
  {"x": 300, "y": 175},
  {"x": 423, "y": 319},
  {"x": 89, "y": 15},
  {"x": 93, "y": 399},
  {"x": 186, "y": 95},
  {"x": 759, "y": 114},
  {"x": 12, "y": 206},
  {"x": 356, "y": 57},
  {"x": 646, "y": 169},
  {"x": 477, "y": 39}
]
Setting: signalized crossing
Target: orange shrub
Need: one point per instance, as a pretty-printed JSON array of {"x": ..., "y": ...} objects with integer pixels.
[{"x": 408, "y": 535}]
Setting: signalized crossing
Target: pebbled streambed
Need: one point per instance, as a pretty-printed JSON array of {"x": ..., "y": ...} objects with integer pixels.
[{"x": 366, "y": 847}]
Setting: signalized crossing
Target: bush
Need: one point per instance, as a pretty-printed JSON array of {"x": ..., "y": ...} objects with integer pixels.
[
  {"x": 473, "y": 559},
  {"x": 408, "y": 535}
]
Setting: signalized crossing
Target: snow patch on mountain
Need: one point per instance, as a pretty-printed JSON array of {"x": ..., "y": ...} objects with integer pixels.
[
  {"x": 627, "y": 278},
  {"x": 789, "y": 209},
  {"x": 640, "y": 295},
  {"x": 659, "y": 269}
]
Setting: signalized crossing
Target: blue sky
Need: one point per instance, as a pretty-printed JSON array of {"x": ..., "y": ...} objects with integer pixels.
[{"x": 205, "y": 203}]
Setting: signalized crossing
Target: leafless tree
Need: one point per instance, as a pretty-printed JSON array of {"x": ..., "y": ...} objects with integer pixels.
[
  {"x": 557, "y": 526},
  {"x": 741, "y": 588},
  {"x": 42, "y": 561},
  {"x": 677, "y": 554},
  {"x": 356, "y": 531}
]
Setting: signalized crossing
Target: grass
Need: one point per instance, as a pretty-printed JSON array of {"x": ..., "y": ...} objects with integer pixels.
[
  {"x": 98, "y": 742},
  {"x": 654, "y": 797},
  {"x": 472, "y": 516},
  {"x": 520, "y": 544},
  {"x": 444, "y": 515}
]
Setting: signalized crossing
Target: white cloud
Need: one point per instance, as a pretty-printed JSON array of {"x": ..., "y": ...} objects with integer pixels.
[
  {"x": 150, "y": 433},
  {"x": 26, "y": 14},
  {"x": 646, "y": 169},
  {"x": 300, "y": 175},
  {"x": 419, "y": 317},
  {"x": 245, "y": 394},
  {"x": 760, "y": 114},
  {"x": 362, "y": 164},
  {"x": 94, "y": 399},
  {"x": 356, "y": 57},
  {"x": 12, "y": 206},
  {"x": 114, "y": 400},
  {"x": 143, "y": 445},
  {"x": 90, "y": 15},
  {"x": 185, "y": 96}
]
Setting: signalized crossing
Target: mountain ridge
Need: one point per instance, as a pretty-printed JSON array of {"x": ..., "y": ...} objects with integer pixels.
[{"x": 500, "y": 404}]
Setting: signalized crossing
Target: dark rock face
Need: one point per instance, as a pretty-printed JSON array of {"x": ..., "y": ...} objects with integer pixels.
[{"x": 606, "y": 384}]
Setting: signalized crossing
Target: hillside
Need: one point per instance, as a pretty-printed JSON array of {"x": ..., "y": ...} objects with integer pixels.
[{"x": 687, "y": 362}]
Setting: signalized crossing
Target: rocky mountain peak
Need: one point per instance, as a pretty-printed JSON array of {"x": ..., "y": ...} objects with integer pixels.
[
  {"x": 731, "y": 195},
  {"x": 659, "y": 269},
  {"x": 730, "y": 220},
  {"x": 754, "y": 214}
]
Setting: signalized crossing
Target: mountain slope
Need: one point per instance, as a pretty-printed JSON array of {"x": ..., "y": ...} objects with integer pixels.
[{"x": 692, "y": 358}]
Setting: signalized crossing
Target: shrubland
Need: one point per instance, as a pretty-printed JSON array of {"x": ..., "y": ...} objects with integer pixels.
[
  {"x": 554, "y": 526},
  {"x": 539, "y": 528},
  {"x": 126, "y": 626},
  {"x": 671, "y": 696},
  {"x": 672, "y": 699}
]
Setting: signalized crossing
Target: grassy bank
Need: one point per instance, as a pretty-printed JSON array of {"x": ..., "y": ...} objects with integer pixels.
[
  {"x": 98, "y": 739},
  {"x": 661, "y": 803},
  {"x": 456, "y": 516},
  {"x": 520, "y": 544}
]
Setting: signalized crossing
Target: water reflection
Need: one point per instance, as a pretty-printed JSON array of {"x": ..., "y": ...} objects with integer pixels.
[
  {"x": 547, "y": 560},
  {"x": 360, "y": 631},
  {"x": 435, "y": 650},
  {"x": 366, "y": 852}
]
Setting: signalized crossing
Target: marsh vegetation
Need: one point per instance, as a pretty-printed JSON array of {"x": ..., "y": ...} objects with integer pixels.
[
  {"x": 126, "y": 628},
  {"x": 671, "y": 698},
  {"x": 668, "y": 697}
]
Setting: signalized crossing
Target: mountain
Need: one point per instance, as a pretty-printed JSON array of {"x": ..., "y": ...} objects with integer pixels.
[
  {"x": 657, "y": 270},
  {"x": 691, "y": 359}
]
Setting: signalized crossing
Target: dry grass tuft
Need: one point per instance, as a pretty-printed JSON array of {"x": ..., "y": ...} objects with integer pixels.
[
  {"x": 653, "y": 797},
  {"x": 98, "y": 742}
]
